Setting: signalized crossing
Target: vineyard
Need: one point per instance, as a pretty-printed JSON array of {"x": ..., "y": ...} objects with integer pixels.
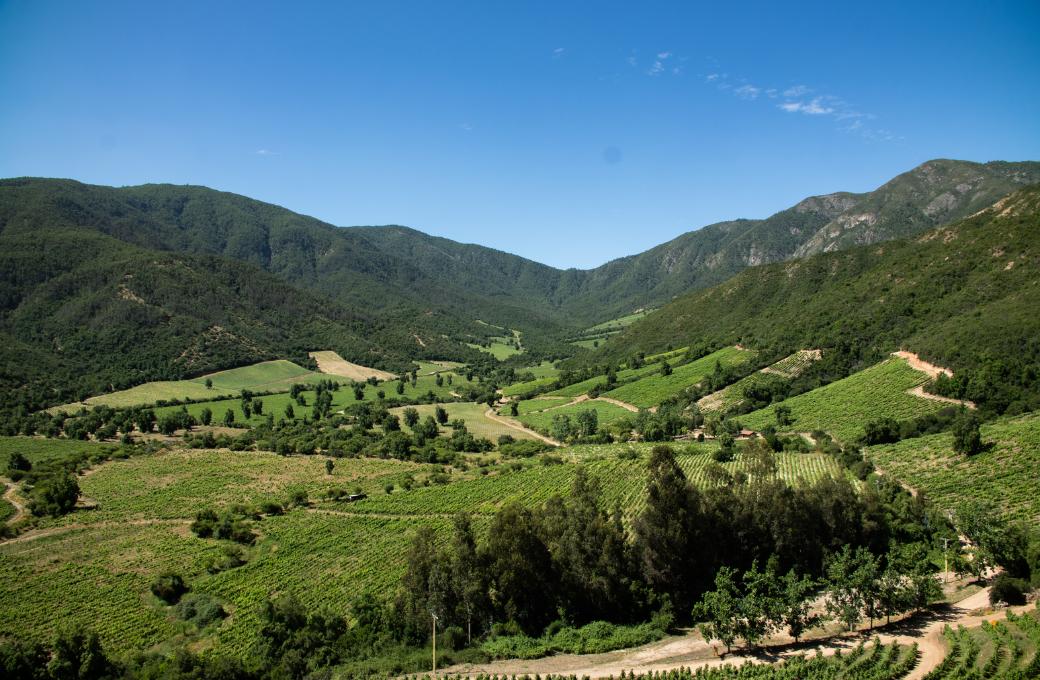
[
  {"x": 655, "y": 388},
  {"x": 605, "y": 411},
  {"x": 996, "y": 649},
  {"x": 844, "y": 407},
  {"x": 39, "y": 450},
  {"x": 789, "y": 367},
  {"x": 544, "y": 374},
  {"x": 1004, "y": 473},
  {"x": 95, "y": 566}
]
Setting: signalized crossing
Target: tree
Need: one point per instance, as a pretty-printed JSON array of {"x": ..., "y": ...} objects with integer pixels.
[
  {"x": 794, "y": 613},
  {"x": 668, "y": 530},
  {"x": 783, "y": 415},
  {"x": 78, "y": 655},
  {"x": 206, "y": 416},
  {"x": 258, "y": 407},
  {"x": 229, "y": 418},
  {"x": 666, "y": 368},
  {"x": 720, "y": 609},
  {"x": 587, "y": 422},
  {"x": 329, "y": 466},
  {"x": 400, "y": 386},
  {"x": 55, "y": 495},
  {"x": 289, "y": 412},
  {"x": 169, "y": 587},
  {"x": 516, "y": 558},
  {"x": 514, "y": 409},
  {"x": 850, "y": 576},
  {"x": 209, "y": 383},
  {"x": 467, "y": 575},
  {"x": 562, "y": 428},
  {"x": 411, "y": 416},
  {"x": 441, "y": 415},
  {"x": 966, "y": 436},
  {"x": 359, "y": 391}
]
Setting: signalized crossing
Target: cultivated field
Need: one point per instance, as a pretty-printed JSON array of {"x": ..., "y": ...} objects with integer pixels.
[
  {"x": 653, "y": 389},
  {"x": 95, "y": 566},
  {"x": 844, "y": 407},
  {"x": 542, "y": 420},
  {"x": 1004, "y": 474},
  {"x": 333, "y": 364},
  {"x": 472, "y": 414},
  {"x": 728, "y": 397},
  {"x": 262, "y": 377}
]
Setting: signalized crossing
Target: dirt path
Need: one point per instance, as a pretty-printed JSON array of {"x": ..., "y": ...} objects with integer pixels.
[
  {"x": 932, "y": 371},
  {"x": 623, "y": 404},
  {"x": 379, "y": 515},
  {"x": 691, "y": 651},
  {"x": 333, "y": 364},
  {"x": 11, "y": 496},
  {"x": 418, "y": 340},
  {"x": 508, "y": 422},
  {"x": 67, "y": 528}
]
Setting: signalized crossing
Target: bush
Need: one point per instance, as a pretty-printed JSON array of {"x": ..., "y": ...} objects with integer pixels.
[
  {"x": 55, "y": 495},
  {"x": 169, "y": 587},
  {"x": 230, "y": 557},
  {"x": 200, "y": 609},
  {"x": 1008, "y": 590}
]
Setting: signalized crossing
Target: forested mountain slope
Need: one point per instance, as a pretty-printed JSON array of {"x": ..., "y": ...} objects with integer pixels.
[
  {"x": 964, "y": 296},
  {"x": 934, "y": 193}
]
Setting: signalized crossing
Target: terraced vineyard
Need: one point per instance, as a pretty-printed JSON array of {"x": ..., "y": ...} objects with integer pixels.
[
  {"x": 625, "y": 375},
  {"x": 1004, "y": 473},
  {"x": 653, "y": 389},
  {"x": 844, "y": 407},
  {"x": 789, "y": 367}
]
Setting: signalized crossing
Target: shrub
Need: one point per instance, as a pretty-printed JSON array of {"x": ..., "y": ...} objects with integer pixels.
[
  {"x": 1008, "y": 590},
  {"x": 169, "y": 587},
  {"x": 55, "y": 495},
  {"x": 201, "y": 609}
]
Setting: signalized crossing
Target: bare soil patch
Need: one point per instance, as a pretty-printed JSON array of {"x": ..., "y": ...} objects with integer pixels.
[
  {"x": 333, "y": 364},
  {"x": 509, "y": 422}
]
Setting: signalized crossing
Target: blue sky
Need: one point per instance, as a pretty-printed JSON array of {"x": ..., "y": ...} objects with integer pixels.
[{"x": 567, "y": 132}]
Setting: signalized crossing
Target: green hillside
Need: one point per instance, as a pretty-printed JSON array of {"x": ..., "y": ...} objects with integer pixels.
[
  {"x": 657, "y": 387},
  {"x": 844, "y": 407},
  {"x": 961, "y": 296},
  {"x": 1004, "y": 473}
]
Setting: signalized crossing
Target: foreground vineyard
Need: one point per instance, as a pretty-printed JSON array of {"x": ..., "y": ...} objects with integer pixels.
[{"x": 94, "y": 567}]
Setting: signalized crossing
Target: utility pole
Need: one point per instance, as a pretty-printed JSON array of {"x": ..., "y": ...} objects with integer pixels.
[
  {"x": 434, "y": 645},
  {"x": 946, "y": 560}
]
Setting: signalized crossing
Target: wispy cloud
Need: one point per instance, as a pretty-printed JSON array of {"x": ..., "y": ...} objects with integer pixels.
[
  {"x": 804, "y": 100},
  {"x": 816, "y": 106},
  {"x": 465, "y": 127},
  {"x": 747, "y": 92},
  {"x": 660, "y": 65},
  {"x": 266, "y": 152},
  {"x": 559, "y": 52}
]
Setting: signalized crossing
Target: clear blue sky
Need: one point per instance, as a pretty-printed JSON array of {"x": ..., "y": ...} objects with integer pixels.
[{"x": 567, "y": 132}]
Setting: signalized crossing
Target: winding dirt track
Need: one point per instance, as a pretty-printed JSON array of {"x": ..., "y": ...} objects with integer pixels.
[
  {"x": 932, "y": 371},
  {"x": 508, "y": 422},
  {"x": 11, "y": 496},
  {"x": 623, "y": 404},
  {"x": 691, "y": 651}
]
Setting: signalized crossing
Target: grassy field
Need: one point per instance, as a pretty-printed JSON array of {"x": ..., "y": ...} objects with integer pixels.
[
  {"x": 728, "y": 397},
  {"x": 276, "y": 403},
  {"x": 626, "y": 374},
  {"x": 1004, "y": 474},
  {"x": 262, "y": 377},
  {"x": 844, "y": 407},
  {"x": 473, "y": 414},
  {"x": 616, "y": 324},
  {"x": 655, "y": 388},
  {"x": 502, "y": 347},
  {"x": 38, "y": 450},
  {"x": 605, "y": 412},
  {"x": 95, "y": 566},
  {"x": 432, "y": 367},
  {"x": 544, "y": 374}
]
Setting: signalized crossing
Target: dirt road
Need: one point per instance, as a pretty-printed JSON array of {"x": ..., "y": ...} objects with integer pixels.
[
  {"x": 932, "y": 371},
  {"x": 691, "y": 651},
  {"x": 11, "y": 496}
]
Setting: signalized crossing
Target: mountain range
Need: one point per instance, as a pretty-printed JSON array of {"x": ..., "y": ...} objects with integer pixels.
[{"x": 103, "y": 287}]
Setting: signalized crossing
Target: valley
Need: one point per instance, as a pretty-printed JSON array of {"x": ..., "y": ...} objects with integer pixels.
[{"x": 329, "y": 454}]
